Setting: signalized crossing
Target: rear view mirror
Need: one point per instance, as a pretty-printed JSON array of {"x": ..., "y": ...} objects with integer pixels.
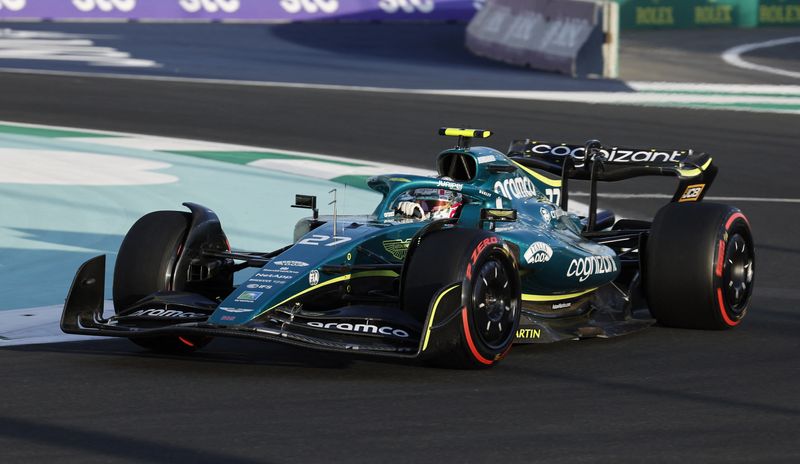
[{"x": 306, "y": 202}]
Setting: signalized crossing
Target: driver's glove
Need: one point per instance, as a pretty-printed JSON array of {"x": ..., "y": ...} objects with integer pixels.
[{"x": 410, "y": 209}]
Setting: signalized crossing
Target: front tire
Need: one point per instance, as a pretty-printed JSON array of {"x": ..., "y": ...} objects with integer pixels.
[
  {"x": 146, "y": 264},
  {"x": 470, "y": 279},
  {"x": 700, "y": 266}
]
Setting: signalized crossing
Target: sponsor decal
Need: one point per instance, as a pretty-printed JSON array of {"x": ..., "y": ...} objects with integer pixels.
[
  {"x": 538, "y": 252},
  {"x": 617, "y": 155},
  {"x": 249, "y": 296},
  {"x": 317, "y": 240},
  {"x": 397, "y": 248},
  {"x": 446, "y": 184},
  {"x": 484, "y": 193},
  {"x": 585, "y": 267},
  {"x": 259, "y": 286},
  {"x": 164, "y": 313},
  {"x": 477, "y": 252},
  {"x": 276, "y": 275},
  {"x": 388, "y": 214},
  {"x": 545, "y": 214},
  {"x": 228, "y": 318},
  {"x": 210, "y": 6},
  {"x": 104, "y": 5},
  {"x": 284, "y": 269},
  {"x": 654, "y": 16},
  {"x": 528, "y": 333},
  {"x": 310, "y": 6},
  {"x": 360, "y": 328},
  {"x": 713, "y": 14},
  {"x": 692, "y": 193},
  {"x": 562, "y": 305},
  {"x": 313, "y": 277},
  {"x": 557, "y": 213},
  {"x": 12, "y": 5},
  {"x": 290, "y": 263},
  {"x": 778, "y": 14},
  {"x": 515, "y": 187},
  {"x": 237, "y": 310},
  {"x": 406, "y": 6},
  {"x": 486, "y": 159}
]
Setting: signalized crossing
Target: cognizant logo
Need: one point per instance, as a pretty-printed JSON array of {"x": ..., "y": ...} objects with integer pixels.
[
  {"x": 103, "y": 5},
  {"x": 210, "y": 6}
]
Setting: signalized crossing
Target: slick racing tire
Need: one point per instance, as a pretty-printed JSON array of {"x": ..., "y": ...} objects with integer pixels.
[
  {"x": 145, "y": 265},
  {"x": 699, "y": 266},
  {"x": 468, "y": 280}
]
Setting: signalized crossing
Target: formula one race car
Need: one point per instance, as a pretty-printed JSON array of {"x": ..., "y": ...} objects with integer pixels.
[{"x": 452, "y": 269}]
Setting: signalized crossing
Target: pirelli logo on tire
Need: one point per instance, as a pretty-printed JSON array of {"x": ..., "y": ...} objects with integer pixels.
[{"x": 692, "y": 193}]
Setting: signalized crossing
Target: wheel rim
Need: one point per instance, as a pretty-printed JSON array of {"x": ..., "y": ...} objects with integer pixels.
[
  {"x": 737, "y": 273},
  {"x": 494, "y": 305}
]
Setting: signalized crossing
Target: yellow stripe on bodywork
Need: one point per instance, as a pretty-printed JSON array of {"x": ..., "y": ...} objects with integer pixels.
[
  {"x": 433, "y": 314},
  {"x": 696, "y": 171},
  {"x": 544, "y": 179},
  {"x": 357, "y": 275},
  {"x": 529, "y": 297}
]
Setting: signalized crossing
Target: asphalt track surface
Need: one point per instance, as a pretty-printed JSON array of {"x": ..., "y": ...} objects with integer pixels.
[
  {"x": 663, "y": 395},
  {"x": 401, "y": 55},
  {"x": 694, "y": 55}
]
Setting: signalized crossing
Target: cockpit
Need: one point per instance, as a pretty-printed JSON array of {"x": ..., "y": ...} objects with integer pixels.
[{"x": 427, "y": 203}]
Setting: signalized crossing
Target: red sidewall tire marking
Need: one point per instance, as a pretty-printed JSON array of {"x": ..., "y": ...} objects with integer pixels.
[
  {"x": 724, "y": 313},
  {"x": 734, "y": 217},
  {"x": 470, "y": 343},
  {"x": 720, "y": 299},
  {"x": 720, "y": 258}
]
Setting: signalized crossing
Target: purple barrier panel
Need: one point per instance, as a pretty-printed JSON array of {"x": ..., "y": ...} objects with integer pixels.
[
  {"x": 542, "y": 34},
  {"x": 254, "y": 10}
]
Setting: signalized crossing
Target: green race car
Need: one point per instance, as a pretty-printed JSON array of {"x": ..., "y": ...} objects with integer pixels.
[{"x": 453, "y": 269}]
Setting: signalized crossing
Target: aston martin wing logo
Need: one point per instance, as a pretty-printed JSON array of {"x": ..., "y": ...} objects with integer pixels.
[{"x": 397, "y": 247}]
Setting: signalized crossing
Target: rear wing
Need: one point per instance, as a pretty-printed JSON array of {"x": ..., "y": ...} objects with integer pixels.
[{"x": 594, "y": 162}]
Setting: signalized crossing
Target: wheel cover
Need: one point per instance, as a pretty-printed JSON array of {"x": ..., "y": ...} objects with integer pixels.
[
  {"x": 494, "y": 305},
  {"x": 737, "y": 274}
]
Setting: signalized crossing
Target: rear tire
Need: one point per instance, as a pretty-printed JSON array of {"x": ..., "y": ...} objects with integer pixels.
[
  {"x": 700, "y": 266},
  {"x": 146, "y": 264},
  {"x": 480, "y": 320}
]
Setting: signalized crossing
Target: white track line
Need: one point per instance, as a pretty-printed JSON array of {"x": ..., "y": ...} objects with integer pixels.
[
  {"x": 758, "y": 89},
  {"x": 660, "y": 196},
  {"x": 733, "y": 56}
]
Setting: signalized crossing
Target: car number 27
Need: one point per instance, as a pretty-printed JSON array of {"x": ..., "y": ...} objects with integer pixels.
[{"x": 324, "y": 240}]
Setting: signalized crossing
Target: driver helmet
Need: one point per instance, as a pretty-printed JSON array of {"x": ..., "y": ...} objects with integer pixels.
[{"x": 438, "y": 203}]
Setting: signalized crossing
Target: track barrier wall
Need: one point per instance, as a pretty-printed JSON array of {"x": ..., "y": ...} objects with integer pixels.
[
  {"x": 634, "y": 14},
  {"x": 574, "y": 37},
  {"x": 686, "y": 14}
]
